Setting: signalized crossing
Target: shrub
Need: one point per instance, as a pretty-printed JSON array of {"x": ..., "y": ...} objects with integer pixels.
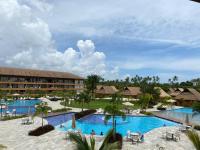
[
  {"x": 61, "y": 110},
  {"x": 197, "y": 127},
  {"x": 161, "y": 108},
  {"x": 84, "y": 113},
  {"x": 118, "y": 138},
  {"x": 146, "y": 113},
  {"x": 41, "y": 130}
]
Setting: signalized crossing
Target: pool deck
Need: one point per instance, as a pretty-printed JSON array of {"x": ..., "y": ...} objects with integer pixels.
[{"x": 15, "y": 137}]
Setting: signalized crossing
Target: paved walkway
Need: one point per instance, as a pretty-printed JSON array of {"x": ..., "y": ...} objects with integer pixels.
[
  {"x": 56, "y": 105},
  {"x": 15, "y": 137}
]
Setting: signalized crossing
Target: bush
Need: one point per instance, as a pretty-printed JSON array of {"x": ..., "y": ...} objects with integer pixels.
[
  {"x": 12, "y": 117},
  {"x": 41, "y": 130},
  {"x": 146, "y": 113},
  {"x": 197, "y": 127},
  {"x": 61, "y": 110},
  {"x": 118, "y": 138},
  {"x": 84, "y": 113},
  {"x": 161, "y": 108}
]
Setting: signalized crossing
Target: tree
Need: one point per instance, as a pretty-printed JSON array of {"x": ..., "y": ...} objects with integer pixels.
[
  {"x": 42, "y": 109},
  {"x": 112, "y": 110},
  {"x": 83, "y": 144},
  {"x": 144, "y": 100},
  {"x": 194, "y": 138},
  {"x": 196, "y": 107},
  {"x": 91, "y": 83},
  {"x": 82, "y": 98}
]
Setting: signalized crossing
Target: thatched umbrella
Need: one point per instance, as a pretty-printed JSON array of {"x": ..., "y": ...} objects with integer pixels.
[{"x": 73, "y": 122}]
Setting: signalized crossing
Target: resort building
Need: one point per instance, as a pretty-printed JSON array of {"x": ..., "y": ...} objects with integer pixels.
[
  {"x": 163, "y": 94},
  {"x": 131, "y": 92},
  {"x": 102, "y": 90},
  {"x": 173, "y": 92},
  {"x": 14, "y": 80},
  {"x": 187, "y": 97}
]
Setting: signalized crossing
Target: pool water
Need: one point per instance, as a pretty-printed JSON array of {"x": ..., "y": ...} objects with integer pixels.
[
  {"x": 187, "y": 110},
  {"x": 95, "y": 122},
  {"x": 59, "y": 119},
  {"x": 22, "y": 106}
]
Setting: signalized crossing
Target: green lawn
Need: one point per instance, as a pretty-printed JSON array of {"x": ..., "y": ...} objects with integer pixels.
[{"x": 95, "y": 104}]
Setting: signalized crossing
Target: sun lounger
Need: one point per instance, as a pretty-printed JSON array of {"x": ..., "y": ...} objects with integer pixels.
[
  {"x": 128, "y": 136},
  {"x": 177, "y": 136}
]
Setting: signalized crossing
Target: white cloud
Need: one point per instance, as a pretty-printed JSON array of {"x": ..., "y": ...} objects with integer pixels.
[
  {"x": 26, "y": 41},
  {"x": 160, "y": 20},
  {"x": 167, "y": 64}
]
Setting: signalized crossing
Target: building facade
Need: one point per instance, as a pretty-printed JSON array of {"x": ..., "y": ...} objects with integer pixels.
[{"x": 14, "y": 80}]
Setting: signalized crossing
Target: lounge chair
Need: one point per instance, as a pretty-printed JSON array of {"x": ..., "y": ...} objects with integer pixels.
[
  {"x": 135, "y": 139},
  {"x": 128, "y": 136},
  {"x": 183, "y": 128},
  {"x": 177, "y": 136}
]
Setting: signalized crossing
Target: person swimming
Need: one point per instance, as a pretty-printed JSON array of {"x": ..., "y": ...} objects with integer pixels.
[
  {"x": 101, "y": 133},
  {"x": 93, "y": 132}
]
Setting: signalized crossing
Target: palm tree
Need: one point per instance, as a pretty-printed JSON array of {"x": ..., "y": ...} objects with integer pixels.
[
  {"x": 194, "y": 138},
  {"x": 112, "y": 110},
  {"x": 42, "y": 109},
  {"x": 144, "y": 100},
  {"x": 2, "y": 147},
  {"x": 91, "y": 83},
  {"x": 83, "y": 144},
  {"x": 83, "y": 97}
]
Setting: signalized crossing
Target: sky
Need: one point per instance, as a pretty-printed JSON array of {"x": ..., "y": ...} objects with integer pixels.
[{"x": 114, "y": 39}]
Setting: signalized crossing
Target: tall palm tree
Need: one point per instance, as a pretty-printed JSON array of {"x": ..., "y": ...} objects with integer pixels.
[
  {"x": 42, "y": 109},
  {"x": 112, "y": 110},
  {"x": 91, "y": 83},
  {"x": 83, "y": 144},
  {"x": 194, "y": 138}
]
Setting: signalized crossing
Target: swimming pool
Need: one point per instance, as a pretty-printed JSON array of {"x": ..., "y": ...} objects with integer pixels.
[
  {"x": 187, "y": 110},
  {"x": 22, "y": 106},
  {"x": 95, "y": 122}
]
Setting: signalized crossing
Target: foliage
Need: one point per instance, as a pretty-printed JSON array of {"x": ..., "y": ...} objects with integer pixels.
[
  {"x": 82, "y": 98},
  {"x": 197, "y": 127},
  {"x": 91, "y": 83},
  {"x": 194, "y": 138},
  {"x": 144, "y": 100},
  {"x": 84, "y": 113},
  {"x": 5, "y": 118},
  {"x": 41, "y": 130},
  {"x": 196, "y": 107},
  {"x": 2, "y": 147},
  {"x": 146, "y": 113},
  {"x": 83, "y": 144},
  {"x": 42, "y": 109},
  {"x": 112, "y": 110},
  {"x": 61, "y": 110}
]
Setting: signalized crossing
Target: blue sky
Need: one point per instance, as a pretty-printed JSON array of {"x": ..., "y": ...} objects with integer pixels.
[{"x": 126, "y": 37}]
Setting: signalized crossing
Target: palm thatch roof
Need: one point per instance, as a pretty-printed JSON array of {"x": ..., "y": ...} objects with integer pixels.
[
  {"x": 175, "y": 91},
  {"x": 131, "y": 91},
  {"x": 105, "y": 90},
  {"x": 189, "y": 94},
  {"x": 36, "y": 73},
  {"x": 163, "y": 94}
]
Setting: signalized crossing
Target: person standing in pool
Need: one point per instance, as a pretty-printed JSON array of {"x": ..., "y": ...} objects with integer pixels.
[
  {"x": 101, "y": 133},
  {"x": 93, "y": 133}
]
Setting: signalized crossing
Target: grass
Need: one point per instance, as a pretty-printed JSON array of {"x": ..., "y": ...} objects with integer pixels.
[{"x": 95, "y": 104}]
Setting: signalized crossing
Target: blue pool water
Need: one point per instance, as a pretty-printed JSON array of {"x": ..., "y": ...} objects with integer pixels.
[
  {"x": 187, "y": 110},
  {"x": 141, "y": 124},
  {"x": 59, "y": 119},
  {"x": 22, "y": 106}
]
